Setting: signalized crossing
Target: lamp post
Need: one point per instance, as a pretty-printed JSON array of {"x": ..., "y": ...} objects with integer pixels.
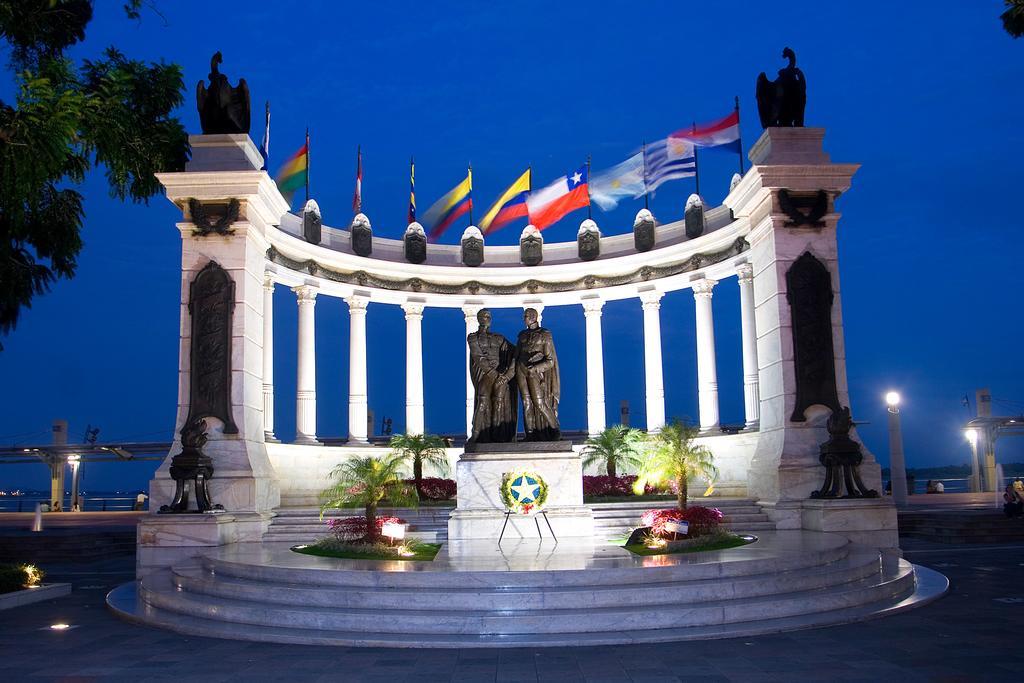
[
  {"x": 75, "y": 461},
  {"x": 972, "y": 438},
  {"x": 897, "y": 466}
]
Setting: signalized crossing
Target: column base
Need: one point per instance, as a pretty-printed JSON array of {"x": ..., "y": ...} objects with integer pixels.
[{"x": 304, "y": 440}]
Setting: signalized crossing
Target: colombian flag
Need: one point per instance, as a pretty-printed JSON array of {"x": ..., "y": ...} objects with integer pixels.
[
  {"x": 292, "y": 175},
  {"x": 510, "y": 205},
  {"x": 448, "y": 208}
]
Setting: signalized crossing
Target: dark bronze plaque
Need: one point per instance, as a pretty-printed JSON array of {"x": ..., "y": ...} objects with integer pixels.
[
  {"x": 809, "y": 292},
  {"x": 211, "y": 302}
]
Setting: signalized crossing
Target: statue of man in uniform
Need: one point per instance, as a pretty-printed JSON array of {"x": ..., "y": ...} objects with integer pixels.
[
  {"x": 537, "y": 377},
  {"x": 492, "y": 367}
]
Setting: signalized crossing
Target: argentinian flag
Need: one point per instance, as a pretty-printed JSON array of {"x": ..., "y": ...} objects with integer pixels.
[{"x": 624, "y": 180}]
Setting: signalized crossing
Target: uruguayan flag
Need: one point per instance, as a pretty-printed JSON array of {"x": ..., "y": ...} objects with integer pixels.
[
  {"x": 624, "y": 180},
  {"x": 668, "y": 159}
]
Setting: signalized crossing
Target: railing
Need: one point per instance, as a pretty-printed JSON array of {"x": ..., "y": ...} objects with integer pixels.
[{"x": 89, "y": 504}]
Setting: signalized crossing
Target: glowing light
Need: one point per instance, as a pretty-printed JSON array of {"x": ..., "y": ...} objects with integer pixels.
[
  {"x": 60, "y": 627},
  {"x": 972, "y": 436},
  {"x": 656, "y": 543},
  {"x": 405, "y": 551},
  {"x": 32, "y": 576},
  {"x": 892, "y": 399}
]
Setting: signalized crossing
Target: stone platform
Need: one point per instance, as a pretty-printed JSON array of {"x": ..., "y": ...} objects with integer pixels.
[
  {"x": 526, "y": 593},
  {"x": 481, "y": 514}
]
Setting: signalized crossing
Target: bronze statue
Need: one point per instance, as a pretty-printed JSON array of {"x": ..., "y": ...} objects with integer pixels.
[
  {"x": 492, "y": 367},
  {"x": 781, "y": 102},
  {"x": 222, "y": 109},
  {"x": 537, "y": 376},
  {"x": 842, "y": 457}
]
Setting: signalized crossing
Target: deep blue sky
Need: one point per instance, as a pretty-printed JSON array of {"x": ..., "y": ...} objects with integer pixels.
[{"x": 927, "y": 97}]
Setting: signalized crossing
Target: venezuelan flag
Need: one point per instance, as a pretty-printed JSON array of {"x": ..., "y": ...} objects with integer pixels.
[
  {"x": 444, "y": 212},
  {"x": 510, "y": 205},
  {"x": 292, "y": 174}
]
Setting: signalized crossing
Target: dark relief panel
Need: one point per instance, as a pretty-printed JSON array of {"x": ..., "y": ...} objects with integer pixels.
[
  {"x": 210, "y": 304},
  {"x": 809, "y": 292}
]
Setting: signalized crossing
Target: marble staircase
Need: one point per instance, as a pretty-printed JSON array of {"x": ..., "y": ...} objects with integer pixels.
[
  {"x": 302, "y": 524},
  {"x": 534, "y": 594}
]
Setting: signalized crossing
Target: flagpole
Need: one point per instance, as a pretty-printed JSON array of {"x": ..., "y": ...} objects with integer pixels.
[
  {"x": 696, "y": 165},
  {"x": 589, "y": 216},
  {"x": 739, "y": 135},
  {"x": 265, "y": 147},
  {"x": 412, "y": 189},
  {"x": 643, "y": 160},
  {"x": 307, "y": 163},
  {"x": 471, "y": 194}
]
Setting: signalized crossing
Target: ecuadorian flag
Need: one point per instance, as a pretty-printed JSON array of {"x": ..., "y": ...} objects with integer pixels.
[
  {"x": 510, "y": 205},
  {"x": 292, "y": 175},
  {"x": 444, "y": 212}
]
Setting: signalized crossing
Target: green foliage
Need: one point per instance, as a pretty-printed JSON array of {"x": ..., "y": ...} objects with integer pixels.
[
  {"x": 721, "y": 540},
  {"x": 331, "y": 547},
  {"x": 1013, "y": 17},
  {"x": 366, "y": 482},
  {"x": 615, "y": 448},
  {"x": 16, "y": 577},
  {"x": 114, "y": 112},
  {"x": 674, "y": 456},
  {"x": 420, "y": 450}
]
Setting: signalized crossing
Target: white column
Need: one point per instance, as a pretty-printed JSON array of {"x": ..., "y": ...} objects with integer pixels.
[
  {"x": 357, "y": 404},
  {"x": 595, "y": 367},
  {"x": 653, "y": 373},
  {"x": 470, "y": 311},
  {"x": 268, "y": 359},
  {"x": 748, "y": 330},
  {"x": 305, "y": 385},
  {"x": 707, "y": 374},
  {"x": 414, "y": 422}
]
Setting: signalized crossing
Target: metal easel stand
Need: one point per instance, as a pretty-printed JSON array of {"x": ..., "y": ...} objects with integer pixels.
[{"x": 508, "y": 513}]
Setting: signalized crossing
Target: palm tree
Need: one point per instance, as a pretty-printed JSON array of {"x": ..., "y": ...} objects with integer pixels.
[
  {"x": 1013, "y": 17},
  {"x": 614, "y": 447},
  {"x": 367, "y": 481},
  {"x": 420, "y": 449},
  {"x": 675, "y": 456}
]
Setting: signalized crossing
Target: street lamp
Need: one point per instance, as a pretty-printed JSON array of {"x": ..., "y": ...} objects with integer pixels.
[
  {"x": 75, "y": 461},
  {"x": 972, "y": 438},
  {"x": 897, "y": 465}
]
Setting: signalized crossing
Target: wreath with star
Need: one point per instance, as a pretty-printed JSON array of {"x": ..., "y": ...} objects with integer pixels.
[{"x": 523, "y": 492}]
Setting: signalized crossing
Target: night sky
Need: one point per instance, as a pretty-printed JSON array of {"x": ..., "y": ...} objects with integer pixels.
[{"x": 927, "y": 97}]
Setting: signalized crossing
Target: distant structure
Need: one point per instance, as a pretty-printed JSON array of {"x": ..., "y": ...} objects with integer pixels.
[{"x": 781, "y": 102}]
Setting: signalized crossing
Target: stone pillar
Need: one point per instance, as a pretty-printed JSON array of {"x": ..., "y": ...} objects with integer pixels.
[
  {"x": 654, "y": 382},
  {"x": 57, "y": 464},
  {"x": 414, "y": 422},
  {"x": 357, "y": 403},
  {"x": 748, "y": 330},
  {"x": 595, "y": 367},
  {"x": 470, "y": 311},
  {"x": 707, "y": 372},
  {"x": 268, "y": 358},
  {"x": 305, "y": 385}
]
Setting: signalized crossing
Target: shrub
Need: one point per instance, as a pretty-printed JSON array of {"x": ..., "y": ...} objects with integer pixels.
[
  {"x": 603, "y": 485},
  {"x": 352, "y": 528},
  {"x": 15, "y": 577},
  {"x": 435, "y": 488},
  {"x": 702, "y": 520}
]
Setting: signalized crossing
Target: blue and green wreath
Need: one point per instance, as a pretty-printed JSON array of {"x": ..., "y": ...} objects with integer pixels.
[{"x": 523, "y": 492}]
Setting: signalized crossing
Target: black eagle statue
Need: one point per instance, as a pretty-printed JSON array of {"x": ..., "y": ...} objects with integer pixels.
[
  {"x": 781, "y": 102},
  {"x": 223, "y": 109}
]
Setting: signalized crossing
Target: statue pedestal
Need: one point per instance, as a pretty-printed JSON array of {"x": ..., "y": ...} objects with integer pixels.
[{"x": 480, "y": 512}]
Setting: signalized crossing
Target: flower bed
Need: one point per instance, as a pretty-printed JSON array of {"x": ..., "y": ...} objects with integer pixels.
[
  {"x": 408, "y": 551},
  {"x": 703, "y": 521},
  {"x": 435, "y": 488},
  {"x": 16, "y": 577},
  {"x": 352, "y": 528}
]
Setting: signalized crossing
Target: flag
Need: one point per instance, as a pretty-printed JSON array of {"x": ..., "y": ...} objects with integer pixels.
[
  {"x": 265, "y": 145},
  {"x": 624, "y": 180},
  {"x": 458, "y": 201},
  {"x": 357, "y": 197},
  {"x": 566, "y": 194},
  {"x": 293, "y": 173},
  {"x": 721, "y": 133},
  {"x": 412, "y": 190},
  {"x": 510, "y": 205},
  {"x": 668, "y": 159}
]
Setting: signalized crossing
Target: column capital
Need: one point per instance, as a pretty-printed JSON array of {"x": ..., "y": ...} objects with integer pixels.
[
  {"x": 745, "y": 273},
  {"x": 268, "y": 282},
  {"x": 470, "y": 311},
  {"x": 306, "y": 294},
  {"x": 704, "y": 288},
  {"x": 357, "y": 303},
  {"x": 592, "y": 306},
  {"x": 651, "y": 299},
  {"x": 413, "y": 309}
]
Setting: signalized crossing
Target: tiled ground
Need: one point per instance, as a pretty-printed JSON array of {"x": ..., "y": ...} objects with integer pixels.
[{"x": 973, "y": 634}]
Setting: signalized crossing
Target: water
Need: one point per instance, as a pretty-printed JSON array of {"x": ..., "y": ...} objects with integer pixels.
[{"x": 92, "y": 501}]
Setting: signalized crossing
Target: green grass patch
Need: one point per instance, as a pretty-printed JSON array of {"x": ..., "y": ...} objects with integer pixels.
[
  {"x": 693, "y": 545},
  {"x": 421, "y": 552},
  {"x": 628, "y": 499}
]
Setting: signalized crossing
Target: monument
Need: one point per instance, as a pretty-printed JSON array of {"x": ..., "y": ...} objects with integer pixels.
[{"x": 494, "y": 458}]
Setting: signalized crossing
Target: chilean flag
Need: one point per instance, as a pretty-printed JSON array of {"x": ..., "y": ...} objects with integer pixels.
[
  {"x": 566, "y": 194},
  {"x": 716, "y": 134}
]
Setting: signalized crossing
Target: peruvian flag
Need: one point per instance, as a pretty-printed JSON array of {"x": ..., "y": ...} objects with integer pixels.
[
  {"x": 566, "y": 194},
  {"x": 716, "y": 134}
]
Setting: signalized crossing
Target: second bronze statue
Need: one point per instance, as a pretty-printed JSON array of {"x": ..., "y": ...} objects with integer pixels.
[{"x": 498, "y": 369}]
